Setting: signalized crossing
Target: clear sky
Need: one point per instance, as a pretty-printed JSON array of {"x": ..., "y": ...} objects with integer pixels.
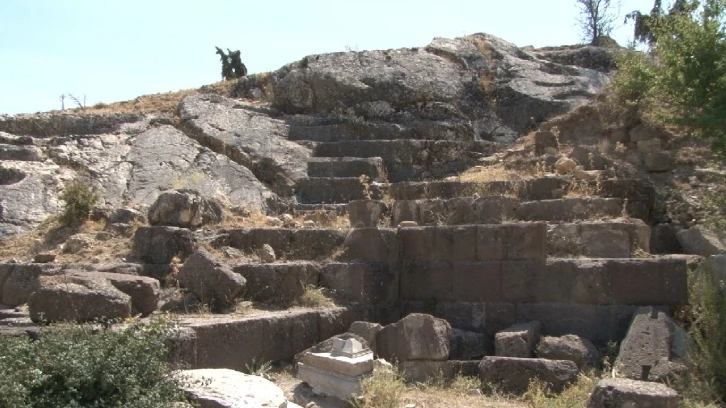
[{"x": 113, "y": 50}]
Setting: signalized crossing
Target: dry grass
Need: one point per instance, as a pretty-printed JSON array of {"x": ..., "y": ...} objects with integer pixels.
[
  {"x": 314, "y": 297},
  {"x": 162, "y": 103},
  {"x": 322, "y": 219},
  {"x": 575, "y": 396},
  {"x": 48, "y": 237}
]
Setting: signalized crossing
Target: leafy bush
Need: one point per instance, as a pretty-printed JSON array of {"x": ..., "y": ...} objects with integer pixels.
[
  {"x": 683, "y": 80},
  {"x": 232, "y": 66},
  {"x": 88, "y": 366},
  {"x": 79, "y": 199}
]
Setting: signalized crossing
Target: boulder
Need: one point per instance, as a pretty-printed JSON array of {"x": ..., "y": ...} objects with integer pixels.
[
  {"x": 659, "y": 161},
  {"x": 143, "y": 290},
  {"x": 77, "y": 243},
  {"x": 159, "y": 245},
  {"x": 652, "y": 348},
  {"x": 624, "y": 393},
  {"x": 267, "y": 254},
  {"x": 126, "y": 216},
  {"x": 79, "y": 299},
  {"x": 366, "y": 213},
  {"x": 415, "y": 337},
  {"x": 44, "y": 257},
  {"x": 565, "y": 165},
  {"x": 698, "y": 240},
  {"x": 512, "y": 375},
  {"x": 212, "y": 282},
  {"x": 223, "y": 388},
  {"x": 468, "y": 345},
  {"x": 185, "y": 209},
  {"x": 518, "y": 340},
  {"x": 569, "y": 347}
]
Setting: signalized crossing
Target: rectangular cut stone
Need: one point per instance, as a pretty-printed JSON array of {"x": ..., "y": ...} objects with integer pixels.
[
  {"x": 326, "y": 382},
  {"x": 417, "y": 243},
  {"x": 659, "y": 281},
  {"x": 476, "y": 282},
  {"x": 425, "y": 281},
  {"x": 518, "y": 340},
  {"x": 352, "y": 367},
  {"x": 367, "y": 283},
  {"x": 491, "y": 240},
  {"x": 523, "y": 241},
  {"x": 456, "y": 243}
]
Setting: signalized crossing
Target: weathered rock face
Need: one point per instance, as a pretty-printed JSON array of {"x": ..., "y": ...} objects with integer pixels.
[
  {"x": 518, "y": 340},
  {"x": 186, "y": 209},
  {"x": 223, "y": 388},
  {"x": 700, "y": 241},
  {"x": 253, "y": 139},
  {"x": 479, "y": 86}
]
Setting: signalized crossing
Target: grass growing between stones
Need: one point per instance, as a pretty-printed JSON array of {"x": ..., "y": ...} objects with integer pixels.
[
  {"x": 314, "y": 296},
  {"x": 385, "y": 388},
  {"x": 576, "y": 395}
]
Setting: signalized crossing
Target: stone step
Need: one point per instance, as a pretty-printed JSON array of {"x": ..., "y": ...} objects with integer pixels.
[
  {"x": 310, "y": 244},
  {"x": 348, "y": 167},
  {"x": 600, "y": 239},
  {"x": 639, "y": 193},
  {"x": 504, "y": 209},
  {"x": 20, "y": 153},
  {"x": 336, "y": 190},
  {"x": 409, "y": 159},
  {"x": 336, "y": 209},
  {"x": 333, "y": 132},
  {"x": 234, "y": 342}
]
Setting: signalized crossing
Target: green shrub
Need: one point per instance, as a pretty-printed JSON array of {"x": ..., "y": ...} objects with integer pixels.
[
  {"x": 79, "y": 199},
  {"x": 88, "y": 366}
]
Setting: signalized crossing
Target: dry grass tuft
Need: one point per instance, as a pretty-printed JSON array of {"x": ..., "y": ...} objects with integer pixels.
[
  {"x": 485, "y": 174},
  {"x": 314, "y": 297},
  {"x": 161, "y": 103},
  {"x": 385, "y": 388}
]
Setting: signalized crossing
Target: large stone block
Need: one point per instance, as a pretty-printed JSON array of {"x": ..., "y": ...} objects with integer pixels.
[
  {"x": 658, "y": 281},
  {"x": 367, "y": 331},
  {"x": 523, "y": 241},
  {"x": 77, "y": 299},
  {"x": 624, "y": 393},
  {"x": 699, "y": 241},
  {"x": 367, "y": 283},
  {"x": 223, "y": 388},
  {"x": 455, "y": 243},
  {"x": 480, "y": 317},
  {"x": 144, "y": 291},
  {"x": 19, "y": 281},
  {"x": 366, "y": 213},
  {"x": 371, "y": 245},
  {"x": 417, "y": 243},
  {"x": 518, "y": 340},
  {"x": 415, "y": 337},
  {"x": 185, "y": 209},
  {"x": 212, "y": 282},
  {"x": 653, "y": 342},
  {"x": 280, "y": 282},
  {"x": 160, "y": 245},
  {"x": 513, "y": 375},
  {"x": 468, "y": 345},
  {"x": 315, "y": 244},
  {"x": 568, "y": 347},
  {"x": 568, "y": 209}
]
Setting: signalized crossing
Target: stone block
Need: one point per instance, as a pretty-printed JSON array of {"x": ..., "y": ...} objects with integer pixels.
[
  {"x": 144, "y": 291},
  {"x": 624, "y": 393},
  {"x": 664, "y": 240},
  {"x": 699, "y": 241},
  {"x": 77, "y": 299},
  {"x": 417, "y": 243},
  {"x": 252, "y": 239},
  {"x": 224, "y": 388},
  {"x": 423, "y": 371},
  {"x": 569, "y": 347},
  {"x": 518, "y": 340},
  {"x": 659, "y": 161},
  {"x": 512, "y": 375},
  {"x": 366, "y": 213},
  {"x": 212, "y": 282},
  {"x": 455, "y": 243},
  {"x": 315, "y": 244},
  {"x": 492, "y": 209},
  {"x": 568, "y": 209},
  {"x": 366, "y": 330},
  {"x": 366, "y": 283},
  {"x": 653, "y": 341},
  {"x": 649, "y": 145},
  {"x": 280, "y": 282},
  {"x": 657, "y": 281},
  {"x": 160, "y": 245},
  {"x": 371, "y": 245},
  {"x": 185, "y": 209},
  {"x": 19, "y": 281},
  {"x": 405, "y": 210},
  {"x": 468, "y": 345},
  {"x": 474, "y": 282},
  {"x": 543, "y": 140},
  {"x": 415, "y": 337}
]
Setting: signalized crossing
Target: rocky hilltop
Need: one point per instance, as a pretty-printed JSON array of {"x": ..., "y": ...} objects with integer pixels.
[{"x": 461, "y": 98}]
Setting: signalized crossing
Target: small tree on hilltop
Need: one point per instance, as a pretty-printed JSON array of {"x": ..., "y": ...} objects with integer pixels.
[
  {"x": 597, "y": 17},
  {"x": 232, "y": 66}
]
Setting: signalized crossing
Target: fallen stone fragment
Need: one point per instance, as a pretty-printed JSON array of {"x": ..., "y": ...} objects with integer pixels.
[{"x": 625, "y": 393}]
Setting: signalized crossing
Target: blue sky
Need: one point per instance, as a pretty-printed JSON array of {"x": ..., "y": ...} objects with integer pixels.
[{"x": 112, "y": 50}]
